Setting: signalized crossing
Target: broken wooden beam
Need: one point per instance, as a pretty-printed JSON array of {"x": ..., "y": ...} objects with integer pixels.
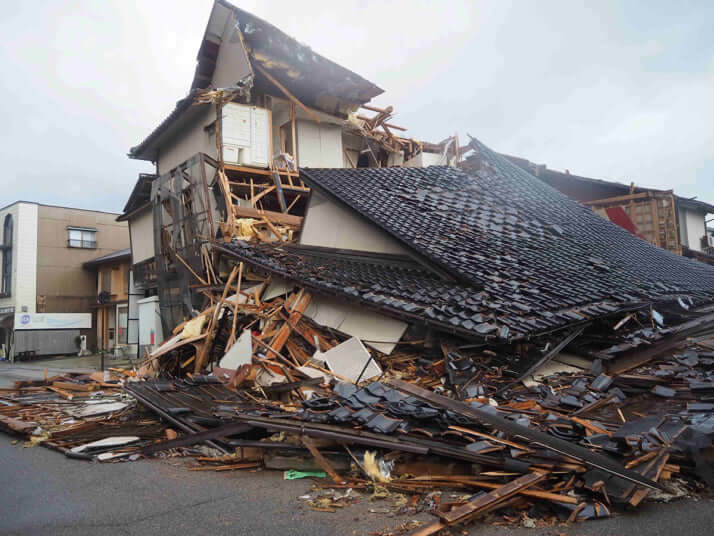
[
  {"x": 287, "y": 93},
  {"x": 321, "y": 460},
  {"x": 498, "y": 495},
  {"x": 274, "y": 217}
]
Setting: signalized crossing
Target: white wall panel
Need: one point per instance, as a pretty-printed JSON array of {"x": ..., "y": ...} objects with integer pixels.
[{"x": 141, "y": 228}]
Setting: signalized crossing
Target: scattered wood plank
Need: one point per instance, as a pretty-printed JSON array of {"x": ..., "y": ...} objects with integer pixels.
[
  {"x": 500, "y": 494},
  {"x": 324, "y": 463}
]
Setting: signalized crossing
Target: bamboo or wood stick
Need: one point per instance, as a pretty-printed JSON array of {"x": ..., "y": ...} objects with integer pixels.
[
  {"x": 274, "y": 230},
  {"x": 212, "y": 328},
  {"x": 232, "y": 338},
  {"x": 200, "y": 279},
  {"x": 321, "y": 460}
]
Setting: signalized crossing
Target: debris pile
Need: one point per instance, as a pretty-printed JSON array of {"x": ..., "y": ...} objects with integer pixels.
[
  {"x": 442, "y": 416},
  {"x": 83, "y": 416},
  {"x": 503, "y": 351}
]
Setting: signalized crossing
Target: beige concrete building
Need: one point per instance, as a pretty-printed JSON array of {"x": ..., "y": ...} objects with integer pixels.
[{"x": 47, "y": 297}]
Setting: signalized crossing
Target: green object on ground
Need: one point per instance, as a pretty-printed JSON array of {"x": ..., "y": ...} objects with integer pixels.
[{"x": 292, "y": 474}]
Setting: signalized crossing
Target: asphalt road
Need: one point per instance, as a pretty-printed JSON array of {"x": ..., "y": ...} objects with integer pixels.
[{"x": 42, "y": 492}]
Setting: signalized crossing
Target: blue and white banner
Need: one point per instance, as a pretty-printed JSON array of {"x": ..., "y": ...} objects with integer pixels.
[{"x": 53, "y": 321}]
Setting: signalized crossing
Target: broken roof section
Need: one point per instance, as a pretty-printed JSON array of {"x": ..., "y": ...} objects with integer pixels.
[
  {"x": 234, "y": 44},
  {"x": 526, "y": 257},
  {"x": 589, "y": 189},
  {"x": 315, "y": 80}
]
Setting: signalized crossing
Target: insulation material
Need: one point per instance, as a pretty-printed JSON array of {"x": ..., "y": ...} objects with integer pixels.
[
  {"x": 348, "y": 360},
  {"x": 547, "y": 370},
  {"x": 378, "y": 331},
  {"x": 250, "y": 291},
  {"x": 173, "y": 340},
  {"x": 193, "y": 327},
  {"x": 266, "y": 378},
  {"x": 240, "y": 353},
  {"x": 314, "y": 373},
  {"x": 244, "y": 228},
  {"x": 90, "y": 410}
]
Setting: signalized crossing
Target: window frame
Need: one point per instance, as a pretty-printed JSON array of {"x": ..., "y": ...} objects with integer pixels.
[{"x": 81, "y": 238}]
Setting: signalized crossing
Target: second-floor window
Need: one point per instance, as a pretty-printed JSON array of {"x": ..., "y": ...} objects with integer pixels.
[
  {"x": 82, "y": 238},
  {"x": 6, "y": 284}
]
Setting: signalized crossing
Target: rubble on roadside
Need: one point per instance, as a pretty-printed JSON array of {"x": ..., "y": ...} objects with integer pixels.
[
  {"x": 501, "y": 394},
  {"x": 285, "y": 392},
  {"x": 84, "y": 416}
]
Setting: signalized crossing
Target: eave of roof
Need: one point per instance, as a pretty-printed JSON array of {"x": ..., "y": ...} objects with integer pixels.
[
  {"x": 695, "y": 204},
  {"x": 146, "y": 150},
  {"x": 139, "y": 197},
  {"x": 109, "y": 258},
  {"x": 395, "y": 286},
  {"x": 545, "y": 173},
  {"x": 283, "y": 55}
]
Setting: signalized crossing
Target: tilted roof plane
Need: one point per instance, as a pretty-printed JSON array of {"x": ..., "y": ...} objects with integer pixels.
[{"x": 520, "y": 258}]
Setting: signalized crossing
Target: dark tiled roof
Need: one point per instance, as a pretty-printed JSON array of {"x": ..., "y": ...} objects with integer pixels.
[
  {"x": 311, "y": 77},
  {"x": 401, "y": 287},
  {"x": 587, "y": 189},
  {"x": 181, "y": 106},
  {"x": 395, "y": 285},
  {"x": 522, "y": 241},
  {"x": 695, "y": 204}
]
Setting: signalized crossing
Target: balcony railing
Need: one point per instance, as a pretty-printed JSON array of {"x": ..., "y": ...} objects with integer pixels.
[{"x": 86, "y": 244}]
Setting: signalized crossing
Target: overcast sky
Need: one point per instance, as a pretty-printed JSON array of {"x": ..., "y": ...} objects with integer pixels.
[{"x": 612, "y": 90}]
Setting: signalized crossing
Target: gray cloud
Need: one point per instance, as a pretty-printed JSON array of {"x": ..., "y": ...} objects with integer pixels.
[{"x": 607, "y": 90}]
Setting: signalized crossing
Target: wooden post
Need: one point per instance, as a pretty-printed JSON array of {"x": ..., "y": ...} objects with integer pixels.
[
  {"x": 294, "y": 138},
  {"x": 212, "y": 328}
]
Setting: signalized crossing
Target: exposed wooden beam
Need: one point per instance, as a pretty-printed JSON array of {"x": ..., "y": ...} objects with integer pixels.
[
  {"x": 275, "y": 217},
  {"x": 289, "y": 95}
]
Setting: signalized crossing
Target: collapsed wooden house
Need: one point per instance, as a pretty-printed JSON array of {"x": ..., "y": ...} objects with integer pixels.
[
  {"x": 261, "y": 105},
  {"x": 322, "y": 284}
]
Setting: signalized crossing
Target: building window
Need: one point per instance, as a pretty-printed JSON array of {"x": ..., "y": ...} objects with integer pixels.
[
  {"x": 6, "y": 287},
  {"x": 82, "y": 238}
]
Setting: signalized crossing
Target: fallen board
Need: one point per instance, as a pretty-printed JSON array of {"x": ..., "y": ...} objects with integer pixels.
[{"x": 592, "y": 459}]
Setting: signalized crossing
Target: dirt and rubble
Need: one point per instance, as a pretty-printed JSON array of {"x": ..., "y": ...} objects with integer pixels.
[{"x": 438, "y": 424}]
